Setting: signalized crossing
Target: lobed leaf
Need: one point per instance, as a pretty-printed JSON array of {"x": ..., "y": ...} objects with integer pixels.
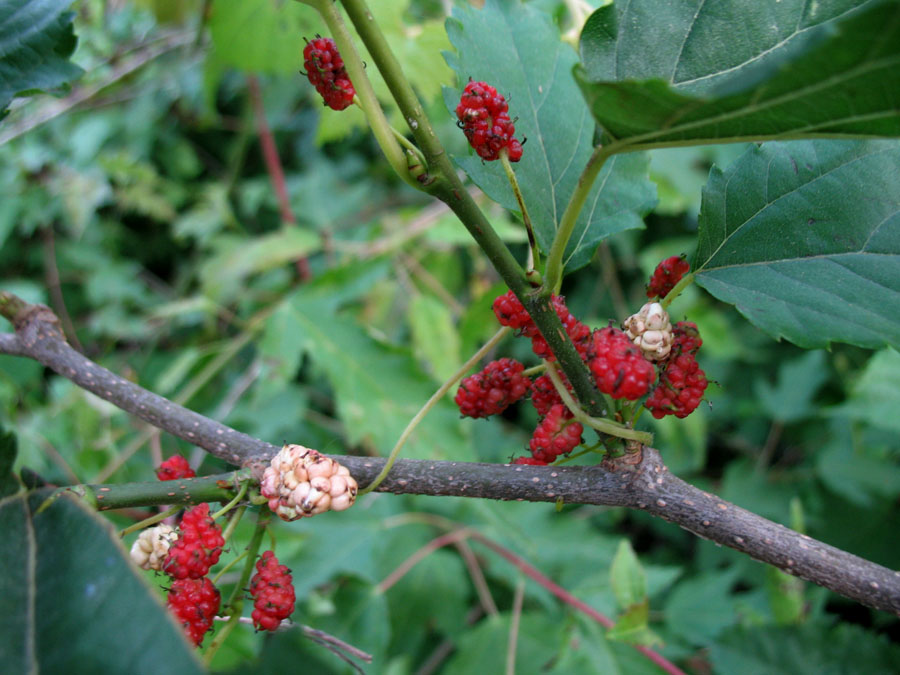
[{"x": 36, "y": 41}]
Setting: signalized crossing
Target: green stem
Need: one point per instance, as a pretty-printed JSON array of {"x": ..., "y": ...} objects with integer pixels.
[
  {"x": 227, "y": 567},
  {"x": 443, "y": 183},
  {"x": 514, "y": 183},
  {"x": 235, "y": 602},
  {"x": 554, "y": 273},
  {"x": 608, "y": 427},
  {"x": 365, "y": 94},
  {"x": 233, "y": 522},
  {"x": 677, "y": 289},
  {"x": 230, "y": 505},
  {"x": 437, "y": 396},
  {"x": 178, "y": 492},
  {"x": 152, "y": 520},
  {"x": 534, "y": 370}
]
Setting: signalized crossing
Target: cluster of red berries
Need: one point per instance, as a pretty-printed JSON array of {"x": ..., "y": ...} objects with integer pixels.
[
  {"x": 621, "y": 367},
  {"x": 192, "y": 597},
  {"x": 483, "y": 116},
  {"x": 199, "y": 546},
  {"x": 668, "y": 273},
  {"x": 273, "y": 593},
  {"x": 326, "y": 72},
  {"x": 195, "y": 603},
  {"x": 493, "y": 389},
  {"x": 681, "y": 382},
  {"x": 175, "y": 468}
]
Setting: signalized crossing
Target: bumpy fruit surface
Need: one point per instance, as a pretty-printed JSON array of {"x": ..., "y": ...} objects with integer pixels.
[
  {"x": 686, "y": 338},
  {"x": 175, "y": 468},
  {"x": 325, "y": 70},
  {"x": 198, "y": 547},
  {"x": 493, "y": 389},
  {"x": 195, "y": 603},
  {"x": 618, "y": 366},
  {"x": 680, "y": 388},
  {"x": 544, "y": 395},
  {"x": 651, "y": 331},
  {"x": 668, "y": 273},
  {"x": 484, "y": 117},
  {"x": 273, "y": 593},
  {"x": 578, "y": 332},
  {"x": 151, "y": 547},
  {"x": 557, "y": 434},
  {"x": 302, "y": 482},
  {"x": 510, "y": 312}
]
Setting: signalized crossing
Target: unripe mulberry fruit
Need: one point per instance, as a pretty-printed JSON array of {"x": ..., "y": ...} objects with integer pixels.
[
  {"x": 651, "y": 331},
  {"x": 175, "y": 468},
  {"x": 510, "y": 312},
  {"x": 686, "y": 338},
  {"x": 578, "y": 332},
  {"x": 483, "y": 116},
  {"x": 557, "y": 434},
  {"x": 302, "y": 482},
  {"x": 493, "y": 389},
  {"x": 273, "y": 593},
  {"x": 326, "y": 72},
  {"x": 618, "y": 366},
  {"x": 680, "y": 389},
  {"x": 198, "y": 547},
  {"x": 195, "y": 603},
  {"x": 151, "y": 547},
  {"x": 544, "y": 395},
  {"x": 668, "y": 273}
]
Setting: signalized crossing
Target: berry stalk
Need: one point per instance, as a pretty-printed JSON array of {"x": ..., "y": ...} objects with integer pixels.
[
  {"x": 365, "y": 94},
  {"x": 236, "y": 602},
  {"x": 429, "y": 404},
  {"x": 526, "y": 219},
  {"x": 554, "y": 273},
  {"x": 604, "y": 426}
]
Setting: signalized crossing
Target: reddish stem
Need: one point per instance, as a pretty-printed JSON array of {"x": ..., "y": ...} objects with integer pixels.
[
  {"x": 528, "y": 570},
  {"x": 561, "y": 593},
  {"x": 273, "y": 165}
]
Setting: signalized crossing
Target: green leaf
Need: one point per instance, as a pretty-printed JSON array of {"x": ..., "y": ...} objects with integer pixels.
[
  {"x": 434, "y": 336},
  {"x": 701, "y": 607},
  {"x": 483, "y": 649},
  {"x": 9, "y": 485},
  {"x": 659, "y": 75},
  {"x": 627, "y": 577},
  {"x": 36, "y": 41},
  {"x": 263, "y": 36},
  {"x": 790, "y": 399},
  {"x": 71, "y": 596},
  {"x": 785, "y": 593},
  {"x": 875, "y": 397},
  {"x": 804, "y": 238},
  {"x": 631, "y": 627},
  {"x": 857, "y": 464},
  {"x": 236, "y": 258},
  {"x": 378, "y": 387},
  {"x": 515, "y": 48},
  {"x": 813, "y": 649}
]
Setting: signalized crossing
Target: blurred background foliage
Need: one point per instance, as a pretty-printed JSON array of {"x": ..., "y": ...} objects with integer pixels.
[{"x": 146, "y": 218}]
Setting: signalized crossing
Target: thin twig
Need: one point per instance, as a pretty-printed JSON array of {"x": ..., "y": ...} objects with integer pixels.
[
  {"x": 639, "y": 480},
  {"x": 514, "y": 627},
  {"x": 51, "y": 275},
  {"x": 273, "y": 166}
]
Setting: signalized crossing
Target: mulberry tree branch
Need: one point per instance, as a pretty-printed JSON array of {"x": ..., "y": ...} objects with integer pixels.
[{"x": 638, "y": 480}]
